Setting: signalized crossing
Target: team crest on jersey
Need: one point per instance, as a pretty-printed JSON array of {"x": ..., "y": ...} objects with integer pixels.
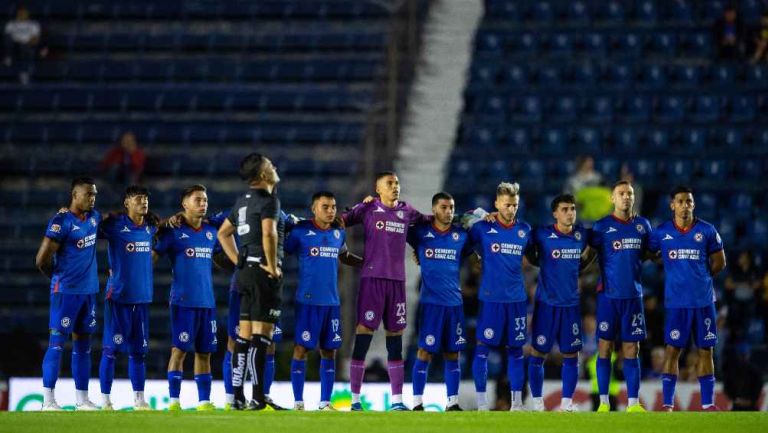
[
  {"x": 190, "y": 252},
  {"x": 314, "y": 251},
  {"x": 369, "y": 315},
  {"x": 65, "y": 322},
  {"x": 541, "y": 340},
  {"x": 306, "y": 336},
  {"x": 400, "y": 214},
  {"x": 379, "y": 225},
  {"x": 118, "y": 339},
  {"x": 616, "y": 245},
  {"x": 521, "y": 233},
  {"x": 184, "y": 337},
  {"x": 93, "y": 221},
  {"x": 430, "y": 340},
  {"x": 130, "y": 247},
  {"x": 336, "y": 234},
  {"x": 640, "y": 228},
  {"x": 577, "y": 235},
  {"x": 603, "y": 326},
  {"x": 55, "y": 228},
  {"x": 209, "y": 235},
  {"x": 80, "y": 243},
  {"x": 555, "y": 254},
  {"x": 674, "y": 334},
  {"x": 495, "y": 248},
  {"x": 698, "y": 237},
  {"x": 429, "y": 253},
  {"x": 455, "y": 236},
  {"x": 488, "y": 333},
  {"x": 672, "y": 254}
]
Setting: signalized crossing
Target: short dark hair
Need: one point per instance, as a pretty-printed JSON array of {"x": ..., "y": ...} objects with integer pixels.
[
  {"x": 562, "y": 198},
  {"x": 186, "y": 192},
  {"x": 251, "y": 166},
  {"x": 620, "y": 183},
  {"x": 82, "y": 180},
  {"x": 381, "y": 174},
  {"x": 680, "y": 189},
  {"x": 442, "y": 195},
  {"x": 135, "y": 190},
  {"x": 320, "y": 194}
]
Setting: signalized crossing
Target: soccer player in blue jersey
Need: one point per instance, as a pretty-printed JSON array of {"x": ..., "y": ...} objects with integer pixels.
[
  {"x": 67, "y": 256},
  {"x": 502, "y": 245},
  {"x": 193, "y": 307},
  {"x": 561, "y": 251},
  {"x": 320, "y": 245},
  {"x": 621, "y": 241},
  {"x": 692, "y": 253},
  {"x": 440, "y": 247},
  {"x": 129, "y": 292}
]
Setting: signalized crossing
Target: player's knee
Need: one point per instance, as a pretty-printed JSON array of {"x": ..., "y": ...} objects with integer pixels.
[
  {"x": 394, "y": 347},
  {"x": 423, "y": 355},
  {"x": 706, "y": 352},
  {"x": 535, "y": 353},
  {"x": 515, "y": 352},
  {"x": 672, "y": 352},
  {"x": 631, "y": 350},
  {"x": 571, "y": 355},
  {"x": 451, "y": 356},
  {"x": 299, "y": 353},
  {"x": 56, "y": 340},
  {"x": 361, "y": 329},
  {"x": 82, "y": 345},
  {"x": 481, "y": 351},
  {"x": 272, "y": 349},
  {"x": 230, "y": 344},
  {"x": 328, "y": 353},
  {"x": 605, "y": 348},
  {"x": 178, "y": 355},
  {"x": 202, "y": 357}
]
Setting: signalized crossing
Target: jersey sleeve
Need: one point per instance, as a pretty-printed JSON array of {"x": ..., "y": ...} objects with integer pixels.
[
  {"x": 654, "y": 244},
  {"x": 714, "y": 241},
  {"x": 355, "y": 215},
  {"x": 419, "y": 218},
  {"x": 164, "y": 241},
  {"x": 58, "y": 228},
  {"x": 271, "y": 209},
  {"x": 218, "y": 219},
  {"x": 292, "y": 241},
  {"x": 413, "y": 236}
]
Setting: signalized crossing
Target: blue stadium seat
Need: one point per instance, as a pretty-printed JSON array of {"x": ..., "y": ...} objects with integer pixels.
[
  {"x": 628, "y": 45},
  {"x": 687, "y": 76},
  {"x": 485, "y": 73},
  {"x": 757, "y": 233},
  {"x": 665, "y": 43},
  {"x": 646, "y": 11},
  {"x": 595, "y": 44},
  {"x": 519, "y": 141},
  {"x": 741, "y": 205},
  {"x": 578, "y": 13},
  {"x": 626, "y": 140},
  {"x": 564, "y": 109},
  {"x": 600, "y": 110},
  {"x": 679, "y": 170},
  {"x": 657, "y": 139},
  {"x": 723, "y": 75},
  {"x": 589, "y": 140},
  {"x": 613, "y": 12},
  {"x": 620, "y": 75},
  {"x": 542, "y": 12},
  {"x": 527, "y": 109},
  {"x": 561, "y": 44},
  {"x": 671, "y": 109},
  {"x": 585, "y": 74},
  {"x": 707, "y": 109},
  {"x": 637, "y": 109},
  {"x": 741, "y": 108},
  {"x": 694, "y": 139},
  {"x": 554, "y": 141},
  {"x": 654, "y": 77},
  {"x": 518, "y": 76}
]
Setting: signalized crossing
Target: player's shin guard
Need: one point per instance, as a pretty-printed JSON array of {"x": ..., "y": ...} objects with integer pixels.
[
  {"x": 603, "y": 369},
  {"x": 174, "y": 384},
  {"x": 81, "y": 362},
  {"x": 707, "y": 386},
  {"x": 631, "y": 371},
  {"x": 396, "y": 366},
  {"x": 259, "y": 344},
  {"x": 297, "y": 379},
  {"x": 269, "y": 372},
  {"x": 226, "y": 369},
  {"x": 480, "y": 367},
  {"x": 357, "y": 365},
  {"x": 516, "y": 369},
  {"x": 327, "y": 377},
  {"x": 570, "y": 372},
  {"x": 668, "y": 382},
  {"x": 203, "y": 382},
  {"x": 239, "y": 364},
  {"x": 107, "y": 370},
  {"x": 452, "y": 378},
  {"x": 536, "y": 375},
  {"x": 419, "y": 377},
  {"x": 52, "y": 359}
]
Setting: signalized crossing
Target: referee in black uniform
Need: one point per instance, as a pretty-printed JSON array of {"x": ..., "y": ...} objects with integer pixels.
[{"x": 256, "y": 218}]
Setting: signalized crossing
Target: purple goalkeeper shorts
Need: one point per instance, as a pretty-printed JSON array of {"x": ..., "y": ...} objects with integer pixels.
[{"x": 379, "y": 299}]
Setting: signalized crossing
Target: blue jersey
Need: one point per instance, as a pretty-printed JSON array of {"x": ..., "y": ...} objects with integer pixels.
[
  {"x": 318, "y": 252},
  {"x": 74, "y": 265},
  {"x": 687, "y": 282},
  {"x": 559, "y": 260},
  {"x": 130, "y": 259},
  {"x": 440, "y": 254},
  {"x": 620, "y": 245},
  {"x": 190, "y": 252},
  {"x": 502, "y": 248}
]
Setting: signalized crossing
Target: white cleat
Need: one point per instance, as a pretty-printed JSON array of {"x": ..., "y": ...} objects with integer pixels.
[
  {"x": 568, "y": 408},
  {"x": 298, "y": 406},
  {"x": 51, "y": 406},
  {"x": 483, "y": 408},
  {"x": 517, "y": 408},
  {"x": 86, "y": 406},
  {"x": 107, "y": 407},
  {"x": 141, "y": 406},
  {"x": 538, "y": 405}
]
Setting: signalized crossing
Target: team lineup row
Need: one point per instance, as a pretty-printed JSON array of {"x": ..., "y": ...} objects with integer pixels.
[{"x": 251, "y": 240}]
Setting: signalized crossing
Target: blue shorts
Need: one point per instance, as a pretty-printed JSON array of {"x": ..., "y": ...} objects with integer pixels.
[
  {"x": 621, "y": 318},
  {"x": 277, "y": 334},
  {"x": 126, "y": 327},
  {"x": 552, "y": 323},
  {"x": 441, "y": 328},
  {"x": 193, "y": 329},
  {"x": 679, "y": 322},
  {"x": 498, "y": 319},
  {"x": 318, "y": 324},
  {"x": 73, "y": 313}
]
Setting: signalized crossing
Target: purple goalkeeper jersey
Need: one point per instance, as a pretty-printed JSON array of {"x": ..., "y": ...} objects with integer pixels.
[{"x": 385, "y": 234}]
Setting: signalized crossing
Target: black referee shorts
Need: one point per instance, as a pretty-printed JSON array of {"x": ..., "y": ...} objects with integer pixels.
[{"x": 259, "y": 294}]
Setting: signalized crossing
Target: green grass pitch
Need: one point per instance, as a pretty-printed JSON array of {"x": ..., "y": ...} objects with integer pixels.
[{"x": 374, "y": 422}]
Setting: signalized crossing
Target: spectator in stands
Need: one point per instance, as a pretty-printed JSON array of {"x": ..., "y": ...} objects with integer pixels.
[
  {"x": 124, "y": 163},
  {"x": 22, "y": 39},
  {"x": 761, "y": 40},
  {"x": 729, "y": 35},
  {"x": 742, "y": 380},
  {"x": 657, "y": 364},
  {"x": 742, "y": 287},
  {"x": 584, "y": 176}
]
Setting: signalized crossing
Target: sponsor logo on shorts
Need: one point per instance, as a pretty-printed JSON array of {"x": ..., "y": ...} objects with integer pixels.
[
  {"x": 306, "y": 336},
  {"x": 65, "y": 322},
  {"x": 401, "y": 320},
  {"x": 674, "y": 334},
  {"x": 576, "y": 342},
  {"x": 237, "y": 329},
  {"x": 118, "y": 339},
  {"x": 718, "y": 238},
  {"x": 430, "y": 340},
  {"x": 336, "y": 338},
  {"x": 277, "y": 330},
  {"x": 274, "y": 313},
  {"x": 92, "y": 324},
  {"x": 488, "y": 333},
  {"x": 369, "y": 315},
  {"x": 520, "y": 337},
  {"x": 638, "y": 331},
  {"x": 461, "y": 340},
  {"x": 184, "y": 337},
  {"x": 541, "y": 340},
  {"x": 710, "y": 336},
  {"x": 603, "y": 326}
]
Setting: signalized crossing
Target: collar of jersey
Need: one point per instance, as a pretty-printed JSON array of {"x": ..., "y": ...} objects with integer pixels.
[{"x": 682, "y": 230}]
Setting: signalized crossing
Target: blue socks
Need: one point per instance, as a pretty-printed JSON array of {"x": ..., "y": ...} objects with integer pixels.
[
  {"x": 570, "y": 372},
  {"x": 604, "y": 375},
  {"x": 327, "y": 377},
  {"x": 269, "y": 372},
  {"x": 631, "y": 376},
  {"x": 480, "y": 367},
  {"x": 516, "y": 368},
  {"x": 107, "y": 370},
  {"x": 419, "y": 376},
  {"x": 536, "y": 375},
  {"x": 174, "y": 383},
  {"x": 452, "y": 377},
  {"x": 203, "y": 386},
  {"x": 52, "y": 360},
  {"x": 81, "y": 362},
  {"x": 707, "y": 384},
  {"x": 226, "y": 368},
  {"x": 137, "y": 371},
  {"x": 668, "y": 382},
  {"x": 297, "y": 379}
]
